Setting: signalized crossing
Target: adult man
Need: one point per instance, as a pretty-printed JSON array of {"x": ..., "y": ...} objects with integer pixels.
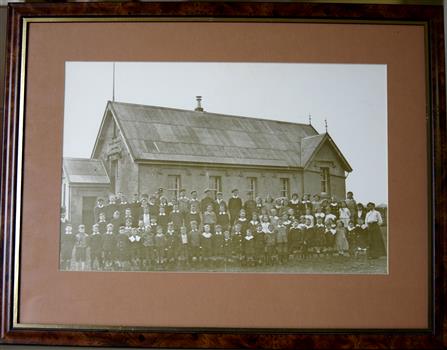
[
  {"x": 99, "y": 208},
  {"x": 373, "y": 221},
  {"x": 234, "y": 206},
  {"x": 206, "y": 201}
]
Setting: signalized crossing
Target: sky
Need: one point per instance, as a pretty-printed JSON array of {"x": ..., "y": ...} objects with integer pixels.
[{"x": 352, "y": 98}]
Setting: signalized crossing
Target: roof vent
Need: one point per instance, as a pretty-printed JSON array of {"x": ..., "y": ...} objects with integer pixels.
[{"x": 199, "y": 104}]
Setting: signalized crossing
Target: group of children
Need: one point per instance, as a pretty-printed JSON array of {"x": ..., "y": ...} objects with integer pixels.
[{"x": 152, "y": 233}]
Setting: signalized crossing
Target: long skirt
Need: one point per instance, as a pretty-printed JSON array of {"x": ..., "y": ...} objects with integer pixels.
[{"x": 376, "y": 244}]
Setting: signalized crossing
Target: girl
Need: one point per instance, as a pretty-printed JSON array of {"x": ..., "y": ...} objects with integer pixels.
[
  {"x": 163, "y": 218},
  {"x": 242, "y": 220},
  {"x": 148, "y": 246},
  {"x": 254, "y": 222},
  {"x": 319, "y": 239},
  {"x": 329, "y": 218},
  {"x": 95, "y": 244},
  {"x": 341, "y": 243},
  {"x": 183, "y": 251},
  {"x": 330, "y": 233},
  {"x": 249, "y": 248},
  {"x": 160, "y": 245},
  {"x": 281, "y": 242},
  {"x": 176, "y": 217},
  {"x": 270, "y": 243},
  {"x": 222, "y": 218},
  {"x": 351, "y": 236},
  {"x": 344, "y": 214},
  {"x": 259, "y": 205},
  {"x": 206, "y": 242},
  {"x": 171, "y": 243}
]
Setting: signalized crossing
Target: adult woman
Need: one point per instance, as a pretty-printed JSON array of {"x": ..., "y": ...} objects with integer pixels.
[{"x": 373, "y": 221}]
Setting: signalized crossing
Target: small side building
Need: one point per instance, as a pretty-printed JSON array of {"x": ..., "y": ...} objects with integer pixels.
[{"x": 83, "y": 181}]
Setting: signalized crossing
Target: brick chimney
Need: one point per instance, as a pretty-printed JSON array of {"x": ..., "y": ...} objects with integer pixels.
[{"x": 199, "y": 104}]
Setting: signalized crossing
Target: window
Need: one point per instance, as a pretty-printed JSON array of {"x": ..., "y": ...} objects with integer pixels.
[
  {"x": 252, "y": 186},
  {"x": 285, "y": 187},
  {"x": 325, "y": 180},
  {"x": 215, "y": 184},
  {"x": 173, "y": 186}
]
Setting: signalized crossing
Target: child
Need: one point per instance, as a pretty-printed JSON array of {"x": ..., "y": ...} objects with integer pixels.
[
  {"x": 102, "y": 224},
  {"x": 249, "y": 248},
  {"x": 160, "y": 245},
  {"x": 334, "y": 207},
  {"x": 294, "y": 239},
  {"x": 122, "y": 244},
  {"x": 274, "y": 217},
  {"x": 171, "y": 243},
  {"x": 344, "y": 214},
  {"x": 218, "y": 238},
  {"x": 117, "y": 221},
  {"x": 236, "y": 240},
  {"x": 242, "y": 220},
  {"x": 209, "y": 217},
  {"x": 134, "y": 247},
  {"x": 148, "y": 238},
  {"x": 309, "y": 217},
  {"x": 176, "y": 217},
  {"x": 329, "y": 216},
  {"x": 163, "y": 218},
  {"x": 194, "y": 236},
  {"x": 362, "y": 235},
  {"x": 254, "y": 222},
  {"x": 227, "y": 247},
  {"x": 319, "y": 238},
  {"x": 341, "y": 243},
  {"x": 68, "y": 241},
  {"x": 222, "y": 218},
  {"x": 81, "y": 248},
  {"x": 183, "y": 247},
  {"x": 270, "y": 243},
  {"x": 259, "y": 245},
  {"x": 193, "y": 215},
  {"x": 206, "y": 242},
  {"x": 108, "y": 246},
  {"x": 329, "y": 233},
  {"x": 351, "y": 236},
  {"x": 144, "y": 212},
  {"x": 95, "y": 243},
  {"x": 281, "y": 242}
]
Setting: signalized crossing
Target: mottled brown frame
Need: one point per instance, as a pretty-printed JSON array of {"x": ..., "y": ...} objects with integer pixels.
[{"x": 433, "y": 338}]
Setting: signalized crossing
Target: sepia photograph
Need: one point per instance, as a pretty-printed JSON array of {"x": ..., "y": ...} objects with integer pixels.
[{"x": 225, "y": 167}]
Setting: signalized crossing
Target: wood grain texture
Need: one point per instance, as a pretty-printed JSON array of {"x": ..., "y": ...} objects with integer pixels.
[{"x": 234, "y": 338}]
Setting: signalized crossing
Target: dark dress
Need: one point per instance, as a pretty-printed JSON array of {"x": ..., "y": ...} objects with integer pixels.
[{"x": 376, "y": 244}]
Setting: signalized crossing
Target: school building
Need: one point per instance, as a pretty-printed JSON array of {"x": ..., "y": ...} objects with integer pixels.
[{"x": 140, "y": 149}]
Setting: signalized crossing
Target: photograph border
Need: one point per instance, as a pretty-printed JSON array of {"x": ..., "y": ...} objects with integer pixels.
[{"x": 20, "y": 15}]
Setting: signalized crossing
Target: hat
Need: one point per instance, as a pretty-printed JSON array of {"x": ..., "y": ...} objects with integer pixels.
[
  {"x": 160, "y": 189},
  {"x": 219, "y": 192},
  {"x": 207, "y": 190},
  {"x": 182, "y": 190},
  {"x": 193, "y": 191},
  {"x": 234, "y": 190}
]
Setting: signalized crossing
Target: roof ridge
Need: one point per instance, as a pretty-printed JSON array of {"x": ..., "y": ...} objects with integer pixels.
[
  {"x": 81, "y": 158},
  {"x": 211, "y": 113}
]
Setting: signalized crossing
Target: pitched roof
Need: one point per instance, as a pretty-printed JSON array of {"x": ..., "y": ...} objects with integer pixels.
[
  {"x": 312, "y": 144},
  {"x": 153, "y": 133},
  {"x": 84, "y": 170}
]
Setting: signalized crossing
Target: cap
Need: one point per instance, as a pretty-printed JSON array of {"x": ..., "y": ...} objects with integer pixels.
[
  {"x": 234, "y": 190},
  {"x": 219, "y": 192},
  {"x": 207, "y": 190},
  {"x": 193, "y": 191}
]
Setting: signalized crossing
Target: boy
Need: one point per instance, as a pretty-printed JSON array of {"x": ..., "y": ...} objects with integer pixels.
[
  {"x": 249, "y": 248},
  {"x": 81, "y": 248},
  {"x": 183, "y": 247},
  {"x": 171, "y": 243},
  {"x": 148, "y": 247},
  {"x": 68, "y": 241},
  {"x": 122, "y": 248},
  {"x": 206, "y": 242},
  {"x": 95, "y": 243},
  {"x": 176, "y": 217},
  {"x": 194, "y": 242},
  {"x": 160, "y": 245},
  {"x": 193, "y": 215},
  {"x": 234, "y": 206},
  {"x": 108, "y": 246}
]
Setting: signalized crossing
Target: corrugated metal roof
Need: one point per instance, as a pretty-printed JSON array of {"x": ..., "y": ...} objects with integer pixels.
[
  {"x": 82, "y": 170},
  {"x": 159, "y": 133}
]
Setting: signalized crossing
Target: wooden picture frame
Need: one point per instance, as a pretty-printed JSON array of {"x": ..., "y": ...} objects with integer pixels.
[{"x": 430, "y": 17}]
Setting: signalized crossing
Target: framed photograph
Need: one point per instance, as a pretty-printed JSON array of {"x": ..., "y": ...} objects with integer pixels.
[{"x": 222, "y": 175}]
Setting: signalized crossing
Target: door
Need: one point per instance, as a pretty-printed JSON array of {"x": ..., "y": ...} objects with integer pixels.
[{"x": 88, "y": 206}]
